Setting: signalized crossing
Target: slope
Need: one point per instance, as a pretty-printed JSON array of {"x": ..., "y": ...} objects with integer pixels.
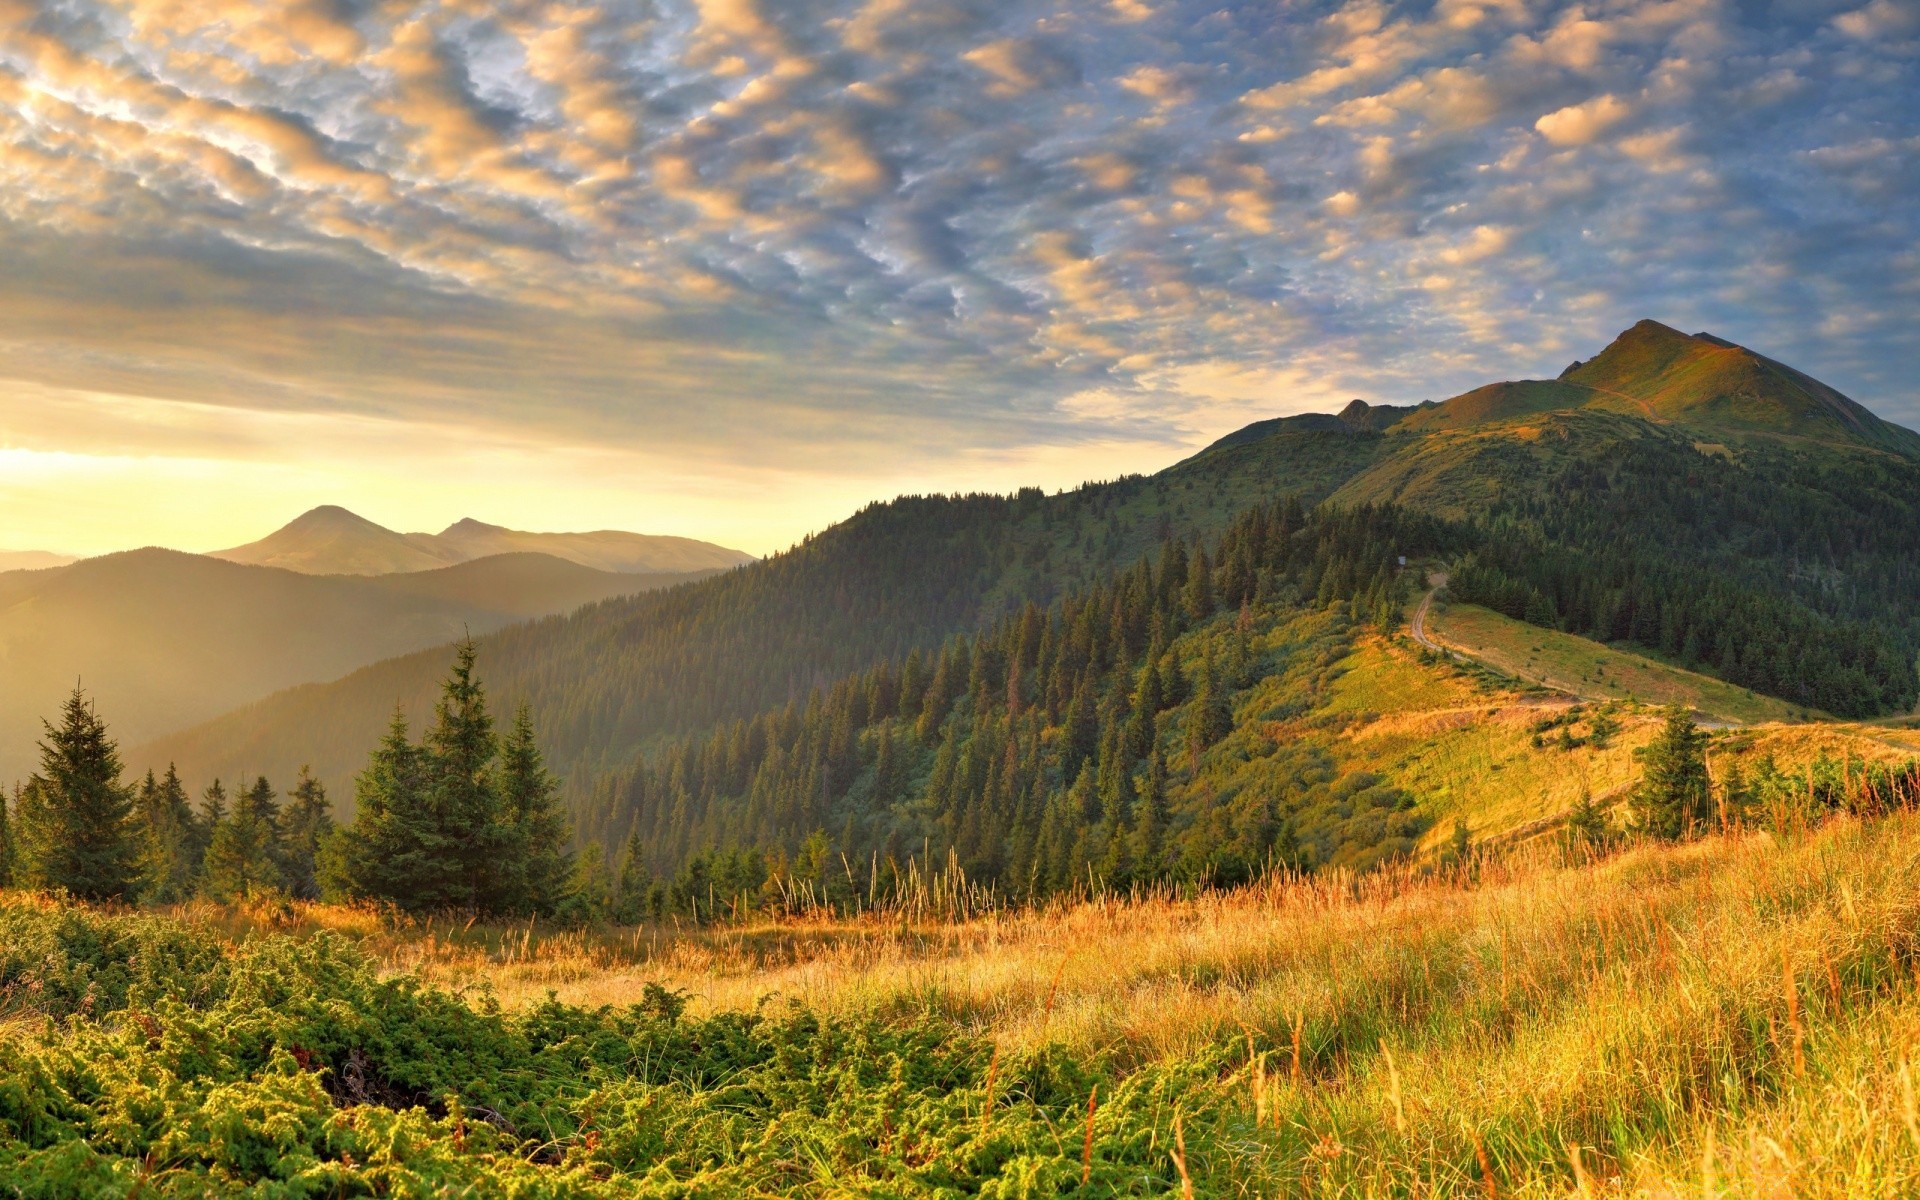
[
  {"x": 163, "y": 639},
  {"x": 1709, "y": 383},
  {"x": 617, "y": 677}
]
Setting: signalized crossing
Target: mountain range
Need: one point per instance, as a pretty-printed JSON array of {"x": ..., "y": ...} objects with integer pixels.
[
  {"x": 163, "y": 640},
  {"x": 31, "y": 560},
  {"x": 330, "y": 540},
  {"x": 1679, "y": 493}
]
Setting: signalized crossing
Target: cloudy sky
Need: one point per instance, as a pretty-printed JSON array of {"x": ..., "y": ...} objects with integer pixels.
[{"x": 728, "y": 268}]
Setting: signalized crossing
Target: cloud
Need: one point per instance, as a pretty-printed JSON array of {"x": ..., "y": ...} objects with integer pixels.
[
  {"x": 1578, "y": 124},
  {"x": 878, "y": 238}
]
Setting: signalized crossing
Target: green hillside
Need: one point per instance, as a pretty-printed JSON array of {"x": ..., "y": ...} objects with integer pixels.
[
  {"x": 619, "y": 676},
  {"x": 1708, "y": 383},
  {"x": 1786, "y": 565}
]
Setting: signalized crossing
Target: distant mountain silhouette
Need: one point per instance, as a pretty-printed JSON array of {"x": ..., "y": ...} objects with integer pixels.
[
  {"x": 330, "y": 540},
  {"x": 32, "y": 560},
  {"x": 163, "y": 639}
]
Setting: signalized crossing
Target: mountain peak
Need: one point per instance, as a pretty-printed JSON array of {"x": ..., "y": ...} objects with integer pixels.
[{"x": 467, "y": 526}]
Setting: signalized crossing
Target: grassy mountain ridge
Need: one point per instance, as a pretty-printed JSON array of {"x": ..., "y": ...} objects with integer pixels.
[
  {"x": 163, "y": 639},
  {"x": 1606, "y": 518}
]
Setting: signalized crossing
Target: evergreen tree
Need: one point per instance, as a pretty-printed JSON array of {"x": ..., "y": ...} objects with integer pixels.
[
  {"x": 1150, "y": 822},
  {"x": 1587, "y": 827},
  {"x": 464, "y": 803},
  {"x": 459, "y": 821},
  {"x": 6, "y": 840},
  {"x": 530, "y": 804},
  {"x": 1210, "y": 717},
  {"x": 76, "y": 828},
  {"x": 392, "y": 851},
  {"x": 306, "y": 827},
  {"x": 1673, "y": 798},
  {"x": 213, "y": 810},
  {"x": 167, "y": 837},
  {"x": 589, "y": 895},
  {"x": 632, "y": 883},
  {"x": 243, "y": 860}
]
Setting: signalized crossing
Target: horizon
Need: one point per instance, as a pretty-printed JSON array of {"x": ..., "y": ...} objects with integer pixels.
[
  {"x": 728, "y": 270},
  {"x": 1330, "y": 409}
]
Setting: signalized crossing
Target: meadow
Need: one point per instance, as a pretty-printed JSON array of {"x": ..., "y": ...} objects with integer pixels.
[{"x": 1727, "y": 1017}]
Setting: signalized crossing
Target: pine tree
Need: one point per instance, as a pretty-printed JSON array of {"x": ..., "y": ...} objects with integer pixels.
[
  {"x": 306, "y": 827},
  {"x": 213, "y": 810},
  {"x": 243, "y": 860},
  {"x": 530, "y": 806},
  {"x": 1210, "y": 717},
  {"x": 1150, "y": 822},
  {"x": 1673, "y": 798},
  {"x": 392, "y": 852},
  {"x": 6, "y": 840},
  {"x": 632, "y": 882},
  {"x": 167, "y": 838},
  {"x": 464, "y": 802},
  {"x": 76, "y": 828}
]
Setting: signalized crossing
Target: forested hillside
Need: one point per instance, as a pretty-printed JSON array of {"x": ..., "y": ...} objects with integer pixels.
[
  {"x": 908, "y": 574},
  {"x": 1780, "y": 556}
]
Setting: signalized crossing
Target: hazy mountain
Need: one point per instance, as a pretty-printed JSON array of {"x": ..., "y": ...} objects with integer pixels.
[
  {"x": 163, "y": 639},
  {"x": 1663, "y": 522},
  {"x": 32, "y": 560},
  {"x": 330, "y": 540}
]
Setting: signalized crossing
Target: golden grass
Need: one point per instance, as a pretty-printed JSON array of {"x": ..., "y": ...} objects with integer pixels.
[
  {"x": 1587, "y": 668},
  {"x": 1732, "y": 1017}
]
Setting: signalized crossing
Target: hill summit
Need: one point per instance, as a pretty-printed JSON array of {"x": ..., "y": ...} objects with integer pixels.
[
  {"x": 1699, "y": 381},
  {"x": 331, "y": 540}
]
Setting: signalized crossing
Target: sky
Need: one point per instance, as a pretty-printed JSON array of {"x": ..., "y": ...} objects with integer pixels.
[{"x": 731, "y": 268}]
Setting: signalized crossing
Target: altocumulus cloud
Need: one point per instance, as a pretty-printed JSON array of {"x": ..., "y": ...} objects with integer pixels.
[{"x": 904, "y": 227}]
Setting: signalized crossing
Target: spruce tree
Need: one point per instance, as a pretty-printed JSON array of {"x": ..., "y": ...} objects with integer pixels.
[
  {"x": 1150, "y": 822},
  {"x": 6, "y": 840},
  {"x": 306, "y": 827},
  {"x": 392, "y": 852},
  {"x": 167, "y": 836},
  {"x": 1673, "y": 798},
  {"x": 632, "y": 882},
  {"x": 243, "y": 860},
  {"x": 530, "y": 802},
  {"x": 464, "y": 804},
  {"x": 76, "y": 828},
  {"x": 213, "y": 810}
]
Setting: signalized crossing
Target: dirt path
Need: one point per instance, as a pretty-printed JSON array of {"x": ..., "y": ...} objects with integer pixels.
[
  {"x": 1418, "y": 628},
  {"x": 1435, "y": 581}
]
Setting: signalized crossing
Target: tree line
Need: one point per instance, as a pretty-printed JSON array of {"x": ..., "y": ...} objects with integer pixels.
[
  {"x": 1075, "y": 744},
  {"x": 1787, "y": 574},
  {"x": 462, "y": 819}
]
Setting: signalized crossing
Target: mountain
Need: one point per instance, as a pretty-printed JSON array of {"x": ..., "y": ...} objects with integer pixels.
[
  {"x": 1783, "y": 557},
  {"x": 330, "y": 540},
  {"x": 907, "y": 574},
  {"x": 604, "y": 550},
  {"x": 31, "y": 560},
  {"x": 163, "y": 639},
  {"x": 1702, "y": 383}
]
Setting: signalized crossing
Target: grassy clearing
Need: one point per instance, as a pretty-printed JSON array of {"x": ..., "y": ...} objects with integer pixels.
[
  {"x": 1583, "y": 667},
  {"x": 1727, "y": 1018}
]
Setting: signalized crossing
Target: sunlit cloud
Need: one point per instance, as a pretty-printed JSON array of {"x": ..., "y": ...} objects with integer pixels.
[{"x": 740, "y": 253}]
